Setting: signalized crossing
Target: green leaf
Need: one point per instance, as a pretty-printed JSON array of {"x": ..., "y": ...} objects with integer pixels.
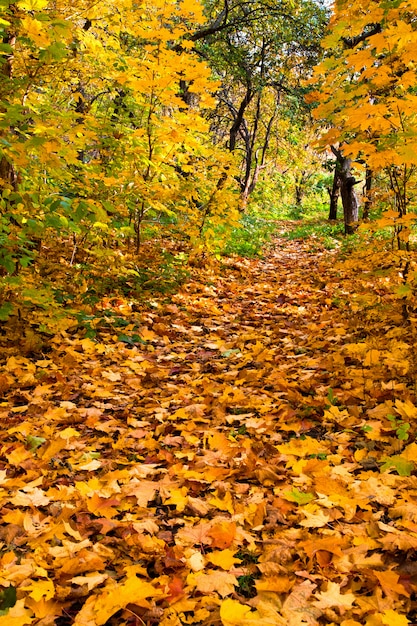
[
  {"x": 402, "y": 466},
  {"x": 298, "y": 496},
  {"x": 56, "y": 51},
  {"x": 7, "y": 599},
  {"x": 34, "y": 442},
  {"x": 8, "y": 263},
  {"x": 131, "y": 340},
  {"x": 228, "y": 353},
  {"x": 5, "y": 48},
  {"x": 25, "y": 261},
  {"x": 88, "y": 456},
  {"x": 331, "y": 397},
  {"x": 404, "y": 290},
  {"x": 5, "y": 311}
]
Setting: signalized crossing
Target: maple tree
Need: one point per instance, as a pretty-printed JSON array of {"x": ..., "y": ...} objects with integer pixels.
[
  {"x": 95, "y": 135},
  {"x": 367, "y": 96}
]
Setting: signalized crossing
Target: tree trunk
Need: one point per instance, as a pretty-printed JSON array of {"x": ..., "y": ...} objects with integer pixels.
[
  {"x": 347, "y": 192},
  {"x": 299, "y": 191},
  {"x": 8, "y": 176},
  {"x": 367, "y": 193},
  {"x": 301, "y": 180},
  {"x": 334, "y": 194},
  {"x": 239, "y": 117}
]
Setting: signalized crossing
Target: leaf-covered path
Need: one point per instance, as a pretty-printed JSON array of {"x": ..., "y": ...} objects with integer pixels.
[{"x": 236, "y": 454}]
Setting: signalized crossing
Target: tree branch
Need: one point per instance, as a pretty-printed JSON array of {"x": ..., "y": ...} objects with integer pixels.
[{"x": 370, "y": 30}]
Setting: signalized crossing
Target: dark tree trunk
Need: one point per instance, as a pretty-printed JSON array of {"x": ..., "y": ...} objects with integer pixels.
[
  {"x": 347, "y": 192},
  {"x": 239, "y": 117},
  {"x": 299, "y": 190},
  {"x": 8, "y": 176},
  {"x": 334, "y": 193}
]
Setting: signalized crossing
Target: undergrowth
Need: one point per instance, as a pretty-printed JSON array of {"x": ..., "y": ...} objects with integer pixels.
[
  {"x": 328, "y": 234},
  {"x": 250, "y": 237}
]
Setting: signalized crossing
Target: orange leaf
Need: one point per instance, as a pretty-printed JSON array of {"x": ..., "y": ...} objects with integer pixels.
[
  {"x": 222, "y": 534},
  {"x": 389, "y": 583},
  {"x": 176, "y": 589}
]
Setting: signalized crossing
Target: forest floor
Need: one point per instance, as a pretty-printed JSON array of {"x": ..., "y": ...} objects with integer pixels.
[{"x": 240, "y": 454}]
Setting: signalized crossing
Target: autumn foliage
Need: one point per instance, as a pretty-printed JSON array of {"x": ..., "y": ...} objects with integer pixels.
[
  {"x": 366, "y": 100},
  {"x": 97, "y": 136},
  {"x": 241, "y": 454},
  {"x": 189, "y": 437}
]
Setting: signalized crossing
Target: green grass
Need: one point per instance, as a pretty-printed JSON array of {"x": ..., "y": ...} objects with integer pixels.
[
  {"x": 250, "y": 237},
  {"x": 327, "y": 234}
]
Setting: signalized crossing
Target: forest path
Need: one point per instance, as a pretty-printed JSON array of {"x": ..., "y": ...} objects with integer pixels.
[{"x": 222, "y": 456}]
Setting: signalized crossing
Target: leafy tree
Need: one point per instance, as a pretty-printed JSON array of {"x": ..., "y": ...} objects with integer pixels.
[
  {"x": 367, "y": 93},
  {"x": 94, "y": 131},
  {"x": 259, "y": 52}
]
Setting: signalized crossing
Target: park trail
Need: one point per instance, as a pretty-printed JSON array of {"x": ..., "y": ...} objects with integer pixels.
[{"x": 238, "y": 453}]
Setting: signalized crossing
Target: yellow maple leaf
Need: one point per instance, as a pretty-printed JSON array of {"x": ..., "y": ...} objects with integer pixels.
[
  {"x": 316, "y": 517},
  {"x": 41, "y": 589},
  {"x": 148, "y": 335},
  {"x": 302, "y": 447},
  {"x": 232, "y": 613},
  {"x": 277, "y": 584},
  {"x": 335, "y": 414},
  {"x": 224, "y": 558},
  {"x": 98, "y": 609},
  {"x": 35, "y": 30},
  {"x": 178, "y": 497},
  {"x": 222, "y": 583},
  {"x": 112, "y": 376},
  {"x": 18, "y": 455},
  {"x": 33, "y": 497},
  {"x": 69, "y": 432},
  {"x": 43, "y": 608},
  {"x": 406, "y": 409},
  {"x": 224, "y": 504},
  {"x": 373, "y": 357},
  {"x": 103, "y": 506},
  {"x": 392, "y": 618},
  {"x": 389, "y": 583},
  {"x": 32, "y": 5},
  {"x": 91, "y": 579}
]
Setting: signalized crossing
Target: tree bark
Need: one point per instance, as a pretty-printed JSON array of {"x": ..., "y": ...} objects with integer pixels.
[
  {"x": 334, "y": 193},
  {"x": 8, "y": 176},
  {"x": 347, "y": 192},
  {"x": 239, "y": 116},
  {"x": 367, "y": 192}
]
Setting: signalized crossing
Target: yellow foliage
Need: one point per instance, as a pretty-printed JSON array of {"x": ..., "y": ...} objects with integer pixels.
[{"x": 367, "y": 83}]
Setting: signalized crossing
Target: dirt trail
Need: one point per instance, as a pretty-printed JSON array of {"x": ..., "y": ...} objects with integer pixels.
[{"x": 215, "y": 458}]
